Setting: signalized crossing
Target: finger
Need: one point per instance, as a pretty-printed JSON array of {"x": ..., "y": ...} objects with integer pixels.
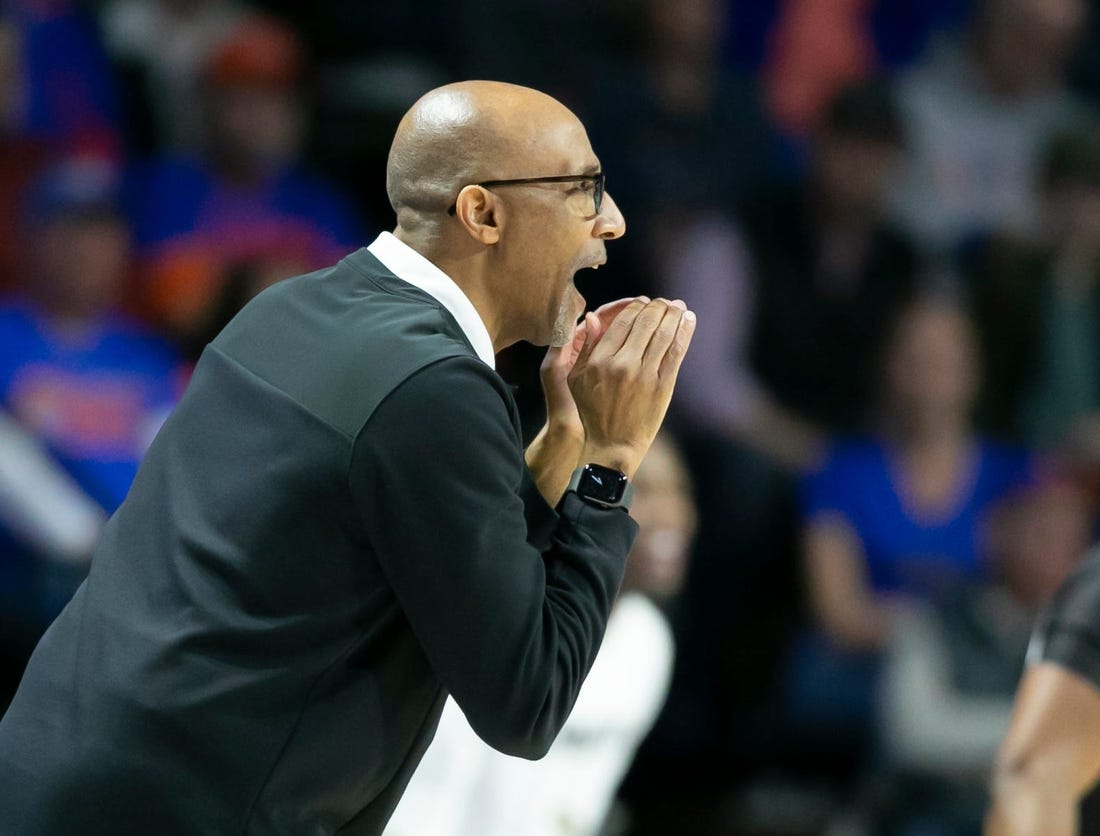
[
  {"x": 617, "y": 332},
  {"x": 662, "y": 338},
  {"x": 552, "y": 362},
  {"x": 608, "y": 312},
  {"x": 592, "y": 325},
  {"x": 580, "y": 334},
  {"x": 643, "y": 328},
  {"x": 605, "y": 315},
  {"x": 674, "y": 356}
]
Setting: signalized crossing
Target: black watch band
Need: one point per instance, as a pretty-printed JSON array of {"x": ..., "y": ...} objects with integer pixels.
[{"x": 602, "y": 486}]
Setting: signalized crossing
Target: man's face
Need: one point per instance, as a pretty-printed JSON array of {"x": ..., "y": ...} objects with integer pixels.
[{"x": 551, "y": 232}]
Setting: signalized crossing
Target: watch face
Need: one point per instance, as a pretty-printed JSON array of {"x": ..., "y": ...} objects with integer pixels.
[{"x": 602, "y": 484}]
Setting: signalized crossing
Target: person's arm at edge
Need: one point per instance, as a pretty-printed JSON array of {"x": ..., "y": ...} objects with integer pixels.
[
  {"x": 1050, "y": 756},
  {"x": 838, "y": 588}
]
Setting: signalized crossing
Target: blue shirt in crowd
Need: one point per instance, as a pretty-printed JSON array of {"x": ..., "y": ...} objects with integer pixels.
[
  {"x": 905, "y": 552},
  {"x": 95, "y": 400},
  {"x": 291, "y": 210}
]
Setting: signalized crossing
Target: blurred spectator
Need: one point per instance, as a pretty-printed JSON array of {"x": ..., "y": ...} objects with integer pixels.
[
  {"x": 57, "y": 96},
  {"x": 978, "y": 114},
  {"x": 91, "y": 383},
  {"x": 897, "y": 516},
  {"x": 464, "y": 788},
  {"x": 804, "y": 288},
  {"x": 160, "y": 48},
  {"x": 244, "y": 204},
  {"x": 818, "y": 47},
  {"x": 1038, "y": 306},
  {"x": 952, "y": 668},
  {"x": 87, "y": 386},
  {"x": 20, "y": 155},
  {"x": 678, "y": 134},
  {"x": 69, "y": 97},
  {"x": 796, "y": 299}
]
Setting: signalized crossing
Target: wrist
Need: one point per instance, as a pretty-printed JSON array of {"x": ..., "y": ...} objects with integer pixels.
[
  {"x": 616, "y": 456},
  {"x": 564, "y": 431},
  {"x": 601, "y": 486}
]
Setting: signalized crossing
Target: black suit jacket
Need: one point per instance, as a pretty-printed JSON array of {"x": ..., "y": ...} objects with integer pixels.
[{"x": 334, "y": 529}]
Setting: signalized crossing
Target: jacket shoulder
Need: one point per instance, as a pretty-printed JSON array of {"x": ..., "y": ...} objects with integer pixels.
[{"x": 339, "y": 340}]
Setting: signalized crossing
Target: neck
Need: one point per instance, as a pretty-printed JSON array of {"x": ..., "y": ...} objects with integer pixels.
[
  {"x": 466, "y": 267},
  {"x": 926, "y": 436}
]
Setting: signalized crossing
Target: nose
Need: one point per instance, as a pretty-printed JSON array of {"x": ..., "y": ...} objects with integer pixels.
[{"x": 610, "y": 223}]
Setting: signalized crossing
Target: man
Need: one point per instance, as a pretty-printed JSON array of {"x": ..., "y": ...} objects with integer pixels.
[
  {"x": 241, "y": 208},
  {"x": 336, "y": 528},
  {"x": 464, "y": 788},
  {"x": 1050, "y": 758},
  {"x": 86, "y": 389}
]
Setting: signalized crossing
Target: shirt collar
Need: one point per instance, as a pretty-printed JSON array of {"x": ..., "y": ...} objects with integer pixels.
[{"x": 410, "y": 266}]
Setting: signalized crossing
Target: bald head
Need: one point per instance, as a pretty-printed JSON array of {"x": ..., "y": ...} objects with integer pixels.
[{"x": 464, "y": 133}]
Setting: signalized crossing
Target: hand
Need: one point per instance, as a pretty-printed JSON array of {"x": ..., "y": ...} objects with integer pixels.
[
  {"x": 622, "y": 379},
  {"x": 561, "y": 410},
  {"x": 555, "y": 452}
]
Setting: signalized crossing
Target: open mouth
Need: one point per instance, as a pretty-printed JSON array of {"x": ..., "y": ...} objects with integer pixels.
[{"x": 592, "y": 265}]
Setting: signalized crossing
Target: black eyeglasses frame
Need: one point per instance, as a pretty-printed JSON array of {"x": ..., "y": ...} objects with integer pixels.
[{"x": 598, "y": 180}]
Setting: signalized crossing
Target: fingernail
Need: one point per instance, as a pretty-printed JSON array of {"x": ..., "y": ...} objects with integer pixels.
[
  {"x": 689, "y": 316},
  {"x": 678, "y": 303}
]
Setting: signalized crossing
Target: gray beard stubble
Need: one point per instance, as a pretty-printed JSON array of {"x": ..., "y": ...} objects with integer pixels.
[{"x": 563, "y": 325}]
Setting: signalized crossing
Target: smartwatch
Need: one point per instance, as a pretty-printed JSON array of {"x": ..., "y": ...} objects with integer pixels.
[{"x": 602, "y": 486}]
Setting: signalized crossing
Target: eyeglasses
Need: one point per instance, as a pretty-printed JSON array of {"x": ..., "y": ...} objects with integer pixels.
[{"x": 587, "y": 201}]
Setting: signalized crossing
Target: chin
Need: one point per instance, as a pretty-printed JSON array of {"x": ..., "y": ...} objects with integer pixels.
[
  {"x": 570, "y": 310},
  {"x": 560, "y": 337}
]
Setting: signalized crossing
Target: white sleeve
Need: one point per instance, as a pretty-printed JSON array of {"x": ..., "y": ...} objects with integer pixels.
[
  {"x": 927, "y": 724},
  {"x": 41, "y": 503}
]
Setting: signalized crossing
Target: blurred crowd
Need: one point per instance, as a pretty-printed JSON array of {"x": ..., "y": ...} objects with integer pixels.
[{"x": 885, "y": 445}]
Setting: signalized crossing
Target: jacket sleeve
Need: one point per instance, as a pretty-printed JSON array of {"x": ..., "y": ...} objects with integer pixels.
[
  {"x": 437, "y": 474},
  {"x": 1068, "y": 633}
]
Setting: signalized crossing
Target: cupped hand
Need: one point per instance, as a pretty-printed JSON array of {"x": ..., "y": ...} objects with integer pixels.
[
  {"x": 623, "y": 377},
  {"x": 561, "y": 410}
]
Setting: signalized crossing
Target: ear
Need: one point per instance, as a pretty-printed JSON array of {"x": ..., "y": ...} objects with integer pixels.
[{"x": 480, "y": 213}]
